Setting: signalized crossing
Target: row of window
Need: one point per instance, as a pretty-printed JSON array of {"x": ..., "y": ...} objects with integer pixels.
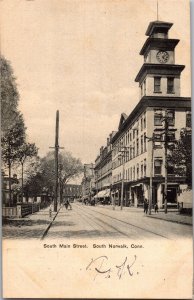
[
  {"x": 160, "y": 115},
  {"x": 138, "y": 147},
  {"x": 107, "y": 167},
  {"x": 133, "y": 173},
  {"x": 139, "y": 171},
  {"x": 170, "y": 85},
  {"x": 157, "y": 85},
  {"x": 130, "y": 134}
]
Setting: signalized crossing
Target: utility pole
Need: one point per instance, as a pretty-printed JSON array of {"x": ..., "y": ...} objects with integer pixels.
[
  {"x": 151, "y": 174},
  {"x": 165, "y": 132},
  {"x": 123, "y": 155},
  {"x": 56, "y": 159},
  {"x": 166, "y": 160},
  {"x": 122, "y": 184}
]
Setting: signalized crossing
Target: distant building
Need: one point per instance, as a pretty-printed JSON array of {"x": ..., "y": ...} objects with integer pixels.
[
  {"x": 88, "y": 182},
  {"x": 103, "y": 171},
  {"x": 71, "y": 192}
]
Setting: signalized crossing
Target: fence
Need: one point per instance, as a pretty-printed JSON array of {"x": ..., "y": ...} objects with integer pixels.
[
  {"x": 9, "y": 211},
  {"x": 21, "y": 210}
]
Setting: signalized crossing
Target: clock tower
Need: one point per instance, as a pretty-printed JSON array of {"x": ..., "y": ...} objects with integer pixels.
[{"x": 159, "y": 75}]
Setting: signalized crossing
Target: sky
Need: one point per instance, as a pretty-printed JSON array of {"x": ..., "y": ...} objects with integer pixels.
[{"x": 81, "y": 57}]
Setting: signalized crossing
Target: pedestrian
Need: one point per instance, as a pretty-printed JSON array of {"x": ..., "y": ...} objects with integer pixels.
[
  {"x": 146, "y": 206},
  {"x": 156, "y": 208},
  {"x": 50, "y": 211},
  {"x": 66, "y": 203}
]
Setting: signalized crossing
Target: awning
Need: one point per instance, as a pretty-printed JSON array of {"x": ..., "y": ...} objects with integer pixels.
[{"x": 103, "y": 194}]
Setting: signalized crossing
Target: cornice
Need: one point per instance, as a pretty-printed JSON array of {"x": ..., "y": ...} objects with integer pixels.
[
  {"x": 159, "y": 69},
  {"x": 159, "y": 44}
]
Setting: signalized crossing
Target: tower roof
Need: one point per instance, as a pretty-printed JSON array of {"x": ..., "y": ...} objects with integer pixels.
[{"x": 158, "y": 26}]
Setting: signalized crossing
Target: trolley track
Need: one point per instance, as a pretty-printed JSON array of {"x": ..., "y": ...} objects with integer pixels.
[{"x": 118, "y": 220}]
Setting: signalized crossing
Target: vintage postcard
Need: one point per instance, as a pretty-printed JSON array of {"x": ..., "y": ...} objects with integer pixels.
[{"x": 96, "y": 149}]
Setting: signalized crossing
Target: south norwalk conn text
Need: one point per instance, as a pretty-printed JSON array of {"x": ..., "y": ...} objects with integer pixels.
[{"x": 82, "y": 246}]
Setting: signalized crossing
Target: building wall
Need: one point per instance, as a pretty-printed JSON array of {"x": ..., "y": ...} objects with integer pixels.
[
  {"x": 139, "y": 167},
  {"x": 72, "y": 191},
  {"x": 151, "y": 58},
  {"x": 149, "y": 89}
]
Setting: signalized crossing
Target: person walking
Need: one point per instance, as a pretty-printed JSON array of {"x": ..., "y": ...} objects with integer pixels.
[
  {"x": 50, "y": 211},
  {"x": 145, "y": 206},
  {"x": 156, "y": 208}
]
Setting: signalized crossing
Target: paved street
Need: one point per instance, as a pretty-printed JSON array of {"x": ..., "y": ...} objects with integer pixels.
[
  {"x": 99, "y": 222},
  {"x": 102, "y": 222}
]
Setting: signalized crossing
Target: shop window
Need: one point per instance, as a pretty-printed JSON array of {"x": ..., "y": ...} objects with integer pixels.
[
  {"x": 170, "y": 85},
  {"x": 157, "y": 84},
  {"x": 158, "y": 167}
]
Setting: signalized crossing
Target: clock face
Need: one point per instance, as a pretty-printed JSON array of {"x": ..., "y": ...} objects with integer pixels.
[{"x": 162, "y": 56}]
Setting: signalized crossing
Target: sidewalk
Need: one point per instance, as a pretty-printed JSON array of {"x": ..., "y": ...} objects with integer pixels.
[
  {"x": 31, "y": 226},
  {"x": 172, "y": 216}
]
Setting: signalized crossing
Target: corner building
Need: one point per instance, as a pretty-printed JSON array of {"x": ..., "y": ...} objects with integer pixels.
[{"x": 134, "y": 157}]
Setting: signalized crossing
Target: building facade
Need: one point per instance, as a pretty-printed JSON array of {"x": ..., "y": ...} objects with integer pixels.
[
  {"x": 139, "y": 154},
  {"x": 103, "y": 171},
  {"x": 88, "y": 183},
  {"x": 71, "y": 192}
]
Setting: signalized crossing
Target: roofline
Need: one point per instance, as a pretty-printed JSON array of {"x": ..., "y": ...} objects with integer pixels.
[
  {"x": 147, "y": 66},
  {"x": 169, "y": 44},
  {"x": 153, "y": 101},
  {"x": 153, "y": 24}
]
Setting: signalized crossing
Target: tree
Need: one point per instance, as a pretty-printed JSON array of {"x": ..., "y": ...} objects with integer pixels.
[
  {"x": 26, "y": 150},
  {"x": 9, "y": 95},
  {"x": 11, "y": 142},
  {"x": 69, "y": 168},
  {"x": 33, "y": 181},
  {"x": 43, "y": 179},
  {"x": 181, "y": 156}
]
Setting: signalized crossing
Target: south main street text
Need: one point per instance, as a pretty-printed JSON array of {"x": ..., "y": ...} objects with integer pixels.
[{"x": 82, "y": 246}]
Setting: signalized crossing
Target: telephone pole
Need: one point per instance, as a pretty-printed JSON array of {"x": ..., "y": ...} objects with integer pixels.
[
  {"x": 123, "y": 155},
  {"x": 56, "y": 160},
  {"x": 151, "y": 139},
  {"x": 166, "y": 129}
]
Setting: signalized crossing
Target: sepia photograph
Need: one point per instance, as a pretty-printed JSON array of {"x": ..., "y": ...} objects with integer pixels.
[{"x": 96, "y": 149}]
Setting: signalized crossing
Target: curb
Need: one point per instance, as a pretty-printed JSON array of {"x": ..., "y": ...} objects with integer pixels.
[
  {"x": 48, "y": 227},
  {"x": 173, "y": 221}
]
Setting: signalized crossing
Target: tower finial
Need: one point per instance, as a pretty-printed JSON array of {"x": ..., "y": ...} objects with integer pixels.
[{"x": 157, "y": 10}]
